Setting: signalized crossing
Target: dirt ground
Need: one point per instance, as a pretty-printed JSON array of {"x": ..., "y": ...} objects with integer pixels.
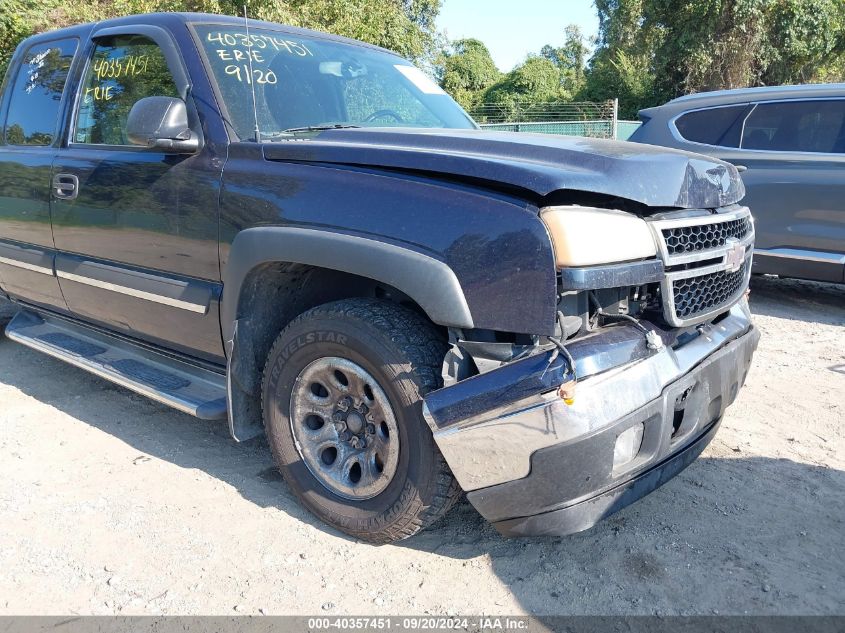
[{"x": 110, "y": 503}]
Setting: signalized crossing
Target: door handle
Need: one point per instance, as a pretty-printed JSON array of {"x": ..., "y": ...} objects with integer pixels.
[
  {"x": 65, "y": 186},
  {"x": 741, "y": 168}
]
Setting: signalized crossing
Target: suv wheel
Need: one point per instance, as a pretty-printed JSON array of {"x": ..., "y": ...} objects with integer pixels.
[{"x": 342, "y": 399}]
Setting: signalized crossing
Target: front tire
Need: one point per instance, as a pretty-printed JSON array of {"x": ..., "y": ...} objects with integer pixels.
[{"x": 342, "y": 402}]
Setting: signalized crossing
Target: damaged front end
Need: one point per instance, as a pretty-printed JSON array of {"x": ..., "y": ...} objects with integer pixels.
[{"x": 547, "y": 435}]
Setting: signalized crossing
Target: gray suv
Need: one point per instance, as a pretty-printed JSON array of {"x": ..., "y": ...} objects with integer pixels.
[{"x": 789, "y": 144}]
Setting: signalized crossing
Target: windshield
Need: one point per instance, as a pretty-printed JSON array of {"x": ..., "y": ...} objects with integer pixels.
[{"x": 308, "y": 82}]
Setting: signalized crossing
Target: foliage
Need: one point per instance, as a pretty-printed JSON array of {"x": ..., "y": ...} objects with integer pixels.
[
  {"x": 14, "y": 26},
  {"x": 650, "y": 51},
  {"x": 808, "y": 42},
  {"x": 556, "y": 74},
  {"x": 404, "y": 26},
  {"x": 570, "y": 58},
  {"x": 536, "y": 80},
  {"x": 621, "y": 64},
  {"x": 623, "y": 76},
  {"x": 466, "y": 70}
]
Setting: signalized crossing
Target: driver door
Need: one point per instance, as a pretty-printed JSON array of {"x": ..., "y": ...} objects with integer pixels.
[{"x": 136, "y": 228}]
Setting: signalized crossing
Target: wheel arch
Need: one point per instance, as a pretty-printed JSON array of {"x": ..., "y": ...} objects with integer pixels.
[
  {"x": 428, "y": 281},
  {"x": 274, "y": 274}
]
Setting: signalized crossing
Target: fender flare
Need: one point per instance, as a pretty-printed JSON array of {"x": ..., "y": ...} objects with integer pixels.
[{"x": 428, "y": 281}]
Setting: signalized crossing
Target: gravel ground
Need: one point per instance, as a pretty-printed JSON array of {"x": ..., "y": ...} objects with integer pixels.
[{"x": 110, "y": 503}]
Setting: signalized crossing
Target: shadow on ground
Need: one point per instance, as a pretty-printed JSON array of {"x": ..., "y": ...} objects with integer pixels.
[{"x": 797, "y": 300}]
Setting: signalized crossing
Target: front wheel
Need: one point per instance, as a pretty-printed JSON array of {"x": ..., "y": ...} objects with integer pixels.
[{"x": 342, "y": 400}]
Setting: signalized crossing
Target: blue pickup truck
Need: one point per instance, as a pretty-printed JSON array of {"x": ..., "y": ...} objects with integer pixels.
[{"x": 304, "y": 236}]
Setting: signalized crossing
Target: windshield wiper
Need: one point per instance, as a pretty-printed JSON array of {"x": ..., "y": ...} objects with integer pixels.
[{"x": 320, "y": 128}]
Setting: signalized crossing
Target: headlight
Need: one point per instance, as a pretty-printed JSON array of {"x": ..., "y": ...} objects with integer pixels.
[{"x": 585, "y": 236}]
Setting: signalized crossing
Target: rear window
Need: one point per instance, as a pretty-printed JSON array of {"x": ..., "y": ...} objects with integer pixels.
[
  {"x": 37, "y": 93},
  {"x": 713, "y": 126},
  {"x": 797, "y": 126}
]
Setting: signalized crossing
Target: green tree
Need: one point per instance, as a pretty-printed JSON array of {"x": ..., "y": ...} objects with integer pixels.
[
  {"x": 466, "y": 70},
  {"x": 14, "y": 26},
  {"x": 404, "y": 26},
  {"x": 620, "y": 76},
  {"x": 650, "y": 51},
  {"x": 15, "y": 135},
  {"x": 621, "y": 66},
  {"x": 536, "y": 80},
  {"x": 570, "y": 58},
  {"x": 807, "y": 41}
]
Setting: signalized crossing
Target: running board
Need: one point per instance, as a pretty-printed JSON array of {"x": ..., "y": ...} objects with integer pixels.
[{"x": 188, "y": 388}]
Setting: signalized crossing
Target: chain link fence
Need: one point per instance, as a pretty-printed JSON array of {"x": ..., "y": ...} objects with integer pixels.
[{"x": 584, "y": 118}]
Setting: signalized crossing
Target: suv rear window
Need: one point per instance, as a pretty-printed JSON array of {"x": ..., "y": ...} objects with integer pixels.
[
  {"x": 37, "y": 93},
  {"x": 797, "y": 126},
  {"x": 713, "y": 126}
]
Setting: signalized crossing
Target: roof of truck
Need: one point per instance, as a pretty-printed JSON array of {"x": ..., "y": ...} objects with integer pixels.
[{"x": 171, "y": 19}]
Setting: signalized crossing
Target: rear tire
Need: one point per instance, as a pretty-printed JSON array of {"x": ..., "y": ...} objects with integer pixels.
[{"x": 342, "y": 402}]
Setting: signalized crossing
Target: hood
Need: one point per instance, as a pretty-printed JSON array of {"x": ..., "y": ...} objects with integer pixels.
[{"x": 538, "y": 163}]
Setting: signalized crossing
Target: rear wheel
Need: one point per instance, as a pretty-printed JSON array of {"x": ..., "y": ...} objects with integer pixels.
[{"x": 342, "y": 400}]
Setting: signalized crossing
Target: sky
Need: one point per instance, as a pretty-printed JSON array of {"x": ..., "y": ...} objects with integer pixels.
[{"x": 513, "y": 28}]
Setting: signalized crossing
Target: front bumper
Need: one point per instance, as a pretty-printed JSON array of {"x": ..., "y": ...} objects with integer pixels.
[{"x": 536, "y": 465}]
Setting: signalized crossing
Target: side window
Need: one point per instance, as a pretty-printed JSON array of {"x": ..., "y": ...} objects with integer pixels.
[
  {"x": 797, "y": 126},
  {"x": 37, "y": 93},
  {"x": 714, "y": 126},
  {"x": 123, "y": 70}
]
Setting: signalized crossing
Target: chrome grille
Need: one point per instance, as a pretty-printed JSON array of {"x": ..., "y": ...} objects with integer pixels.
[
  {"x": 707, "y": 257},
  {"x": 689, "y": 239}
]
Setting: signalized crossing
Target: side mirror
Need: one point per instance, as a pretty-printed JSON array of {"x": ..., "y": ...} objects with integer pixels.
[{"x": 161, "y": 123}]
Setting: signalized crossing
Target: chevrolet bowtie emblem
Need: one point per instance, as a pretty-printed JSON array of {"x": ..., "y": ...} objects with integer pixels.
[{"x": 735, "y": 256}]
